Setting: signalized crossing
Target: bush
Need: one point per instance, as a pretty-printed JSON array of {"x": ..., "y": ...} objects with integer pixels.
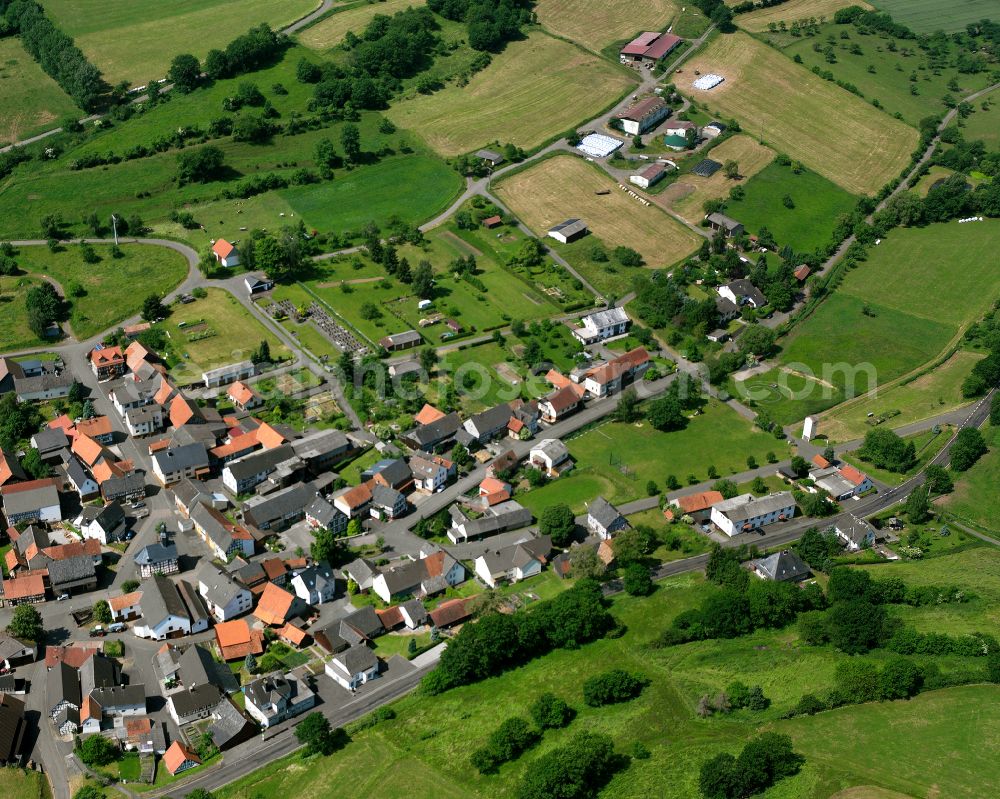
[
  {"x": 612, "y": 687},
  {"x": 764, "y": 761},
  {"x": 550, "y": 712},
  {"x": 577, "y": 770},
  {"x": 513, "y": 737},
  {"x": 637, "y": 581},
  {"x": 97, "y": 750}
]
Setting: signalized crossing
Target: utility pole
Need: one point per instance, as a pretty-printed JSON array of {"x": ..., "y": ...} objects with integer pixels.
[{"x": 114, "y": 227}]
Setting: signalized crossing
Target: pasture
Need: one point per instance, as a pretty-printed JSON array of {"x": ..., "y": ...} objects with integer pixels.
[
  {"x": 114, "y": 288},
  {"x": 564, "y": 186},
  {"x": 936, "y": 392},
  {"x": 906, "y": 81},
  {"x": 691, "y": 191},
  {"x": 502, "y": 102},
  {"x": 758, "y": 20},
  {"x": 213, "y": 332},
  {"x": 805, "y": 227},
  {"x": 22, "y": 784},
  {"x": 597, "y": 23},
  {"x": 718, "y": 437},
  {"x": 826, "y": 128},
  {"x": 330, "y": 31},
  {"x": 984, "y": 124},
  {"x": 925, "y": 16},
  {"x": 957, "y": 724},
  {"x": 31, "y": 101},
  {"x": 135, "y": 40},
  {"x": 976, "y": 498}
]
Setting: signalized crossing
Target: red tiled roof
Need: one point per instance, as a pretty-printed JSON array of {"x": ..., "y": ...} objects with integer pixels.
[
  {"x": 703, "y": 500},
  {"x": 98, "y": 426},
  {"x": 357, "y": 496},
  {"x": 293, "y": 634},
  {"x": 177, "y": 755},
  {"x": 65, "y": 424},
  {"x": 564, "y": 398},
  {"x": 848, "y": 472},
  {"x": 136, "y": 354},
  {"x": 31, "y": 485},
  {"x": 88, "y": 450},
  {"x": 268, "y": 437},
  {"x": 182, "y": 411},
  {"x": 802, "y": 272},
  {"x": 557, "y": 378},
  {"x": 89, "y": 546},
  {"x": 275, "y": 605},
  {"x": 428, "y": 414},
  {"x": 123, "y": 601},
  {"x": 163, "y": 392},
  {"x": 74, "y": 655},
  {"x": 108, "y": 356},
  {"x": 25, "y": 586},
  {"x": 240, "y": 393},
  {"x": 390, "y": 617},
  {"x": 820, "y": 461},
  {"x": 274, "y": 568},
  {"x": 450, "y": 612},
  {"x": 223, "y": 248}
]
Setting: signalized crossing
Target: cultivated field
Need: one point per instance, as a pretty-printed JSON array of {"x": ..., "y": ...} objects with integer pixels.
[
  {"x": 692, "y": 190},
  {"x": 934, "y": 393},
  {"x": 31, "y": 101},
  {"x": 563, "y": 187},
  {"x": 330, "y": 32},
  {"x": 894, "y": 76},
  {"x": 216, "y": 331},
  {"x": 927, "y": 16},
  {"x": 109, "y": 285},
  {"x": 805, "y": 227},
  {"x": 790, "y": 11},
  {"x": 830, "y": 130},
  {"x": 502, "y": 102},
  {"x": 134, "y": 40},
  {"x": 598, "y": 23}
]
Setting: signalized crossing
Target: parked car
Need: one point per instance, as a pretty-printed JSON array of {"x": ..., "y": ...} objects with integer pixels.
[
  {"x": 62, "y": 597},
  {"x": 117, "y": 627}
]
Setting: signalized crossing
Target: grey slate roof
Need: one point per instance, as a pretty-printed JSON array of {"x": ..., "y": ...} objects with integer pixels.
[
  {"x": 160, "y": 599},
  {"x": 192, "y": 700},
  {"x": 152, "y": 554},
  {"x": 68, "y": 570},
  {"x": 385, "y": 497},
  {"x": 518, "y": 555},
  {"x": 264, "y": 460},
  {"x": 279, "y": 505},
  {"x": 394, "y": 471},
  {"x": 323, "y": 512},
  {"x": 429, "y": 435},
  {"x": 120, "y": 695},
  {"x": 415, "y": 610},
  {"x": 227, "y": 724},
  {"x": 364, "y": 621},
  {"x": 356, "y": 659},
  {"x": 188, "y": 456},
  {"x": 121, "y": 486},
  {"x": 784, "y": 565},
  {"x": 220, "y": 588},
  {"x": 62, "y": 683},
  {"x": 603, "y": 512},
  {"x": 198, "y": 667},
  {"x": 491, "y": 419},
  {"x": 746, "y": 506},
  {"x": 99, "y": 671}
]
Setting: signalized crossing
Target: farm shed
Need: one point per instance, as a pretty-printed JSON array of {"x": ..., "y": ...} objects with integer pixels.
[{"x": 568, "y": 231}]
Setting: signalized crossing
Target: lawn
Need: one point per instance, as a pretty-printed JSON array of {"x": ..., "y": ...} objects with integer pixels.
[
  {"x": 115, "y": 287},
  {"x": 825, "y": 127},
  {"x": 477, "y": 380},
  {"x": 501, "y": 103},
  {"x": 14, "y": 331},
  {"x": 31, "y": 100},
  {"x": 598, "y": 23},
  {"x": 689, "y": 192},
  {"x": 692, "y": 542},
  {"x": 931, "y": 394},
  {"x": 564, "y": 186},
  {"x": 928, "y": 444},
  {"x": 22, "y": 784},
  {"x": 879, "y": 73},
  {"x": 976, "y": 498},
  {"x": 718, "y": 437},
  {"x": 859, "y": 743},
  {"x": 134, "y": 40},
  {"x": 807, "y": 226},
  {"x": 984, "y": 124},
  {"x": 223, "y": 330},
  {"x": 789, "y": 11},
  {"x": 925, "y": 16},
  {"x": 349, "y": 16}
]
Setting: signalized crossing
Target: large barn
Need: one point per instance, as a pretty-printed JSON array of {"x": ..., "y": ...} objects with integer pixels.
[{"x": 649, "y": 47}]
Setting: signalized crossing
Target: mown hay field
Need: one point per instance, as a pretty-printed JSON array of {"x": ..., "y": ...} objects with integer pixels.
[
  {"x": 693, "y": 190},
  {"x": 826, "y": 128},
  {"x": 597, "y": 23},
  {"x": 792, "y": 10},
  {"x": 31, "y": 101},
  {"x": 533, "y": 90},
  {"x": 564, "y": 187},
  {"x": 135, "y": 40}
]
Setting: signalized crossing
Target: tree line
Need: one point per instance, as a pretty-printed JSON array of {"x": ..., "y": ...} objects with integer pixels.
[
  {"x": 490, "y": 23},
  {"x": 56, "y": 53}
]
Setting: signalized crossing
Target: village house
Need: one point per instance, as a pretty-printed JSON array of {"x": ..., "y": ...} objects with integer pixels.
[
  {"x": 33, "y": 501},
  {"x": 178, "y": 757},
  {"x": 244, "y": 474},
  {"x": 50, "y": 443},
  {"x": 643, "y": 115},
  {"x": 429, "y": 472},
  {"x": 513, "y": 563},
  {"x": 278, "y": 510},
  {"x": 609, "y": 378},
  {"x": 742, "y": 292},
  {"x": 562, "y": 402},
  {"x": 244, "y": 397},
  {"x": 550, "y": 455},
  {"x": 164, "y": 614},
  {"x": 144, "y": 421},
  {"x": 225, "y": 253},
  {"x": 224, "y": 597},
  {"x": 745, "y": 512},
  {"x": 128, "y": 487},
  {"x": 493, "y": 491},
  {"x": 434, "y": 434},
  {"x": 602, "y": 326},
  {"x": 841, "y": 482},
  {"x": 489, "y": 424},
  {"x": 321, "y": 449},
  {"x": 257, "y": 284},
  {"x": 79, "y": 478},
  {"x": 126, "y": 607},
  {"x": 105, "y": 524},
  {"x": 48, "y": 386},
  {"x": 856, "y": 534},
  {"x": 353, "y": 502},
  {"x": 353, "y": 667},
  {"x": 432, "y": 573},
  {"x": 784, "y": 566},
  {"x": 698, "y": 506},
  {"x": 174, "y": 464},
  {"x": 387, "y": 503},
  {"x": 274, "y": 698},
  {"x": 490, "y": 157},
  {"x": 24, "y": 589},
  {"x": 500, "y": 518},
  {"x": 10, "y": 469},
  {"x": 315, "y": 584},
  {"x": 193, "y": 703},
  {"x": 99, "y": 428},
  {"x": 236, "y": 639},
  {"x": 107, "y": 362},
  {"x": 277, "y": 606},
  {"x": 604, "y": 519},
  {"x": 222, "y": 536},
  {"x": 389, "y": 473}
]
